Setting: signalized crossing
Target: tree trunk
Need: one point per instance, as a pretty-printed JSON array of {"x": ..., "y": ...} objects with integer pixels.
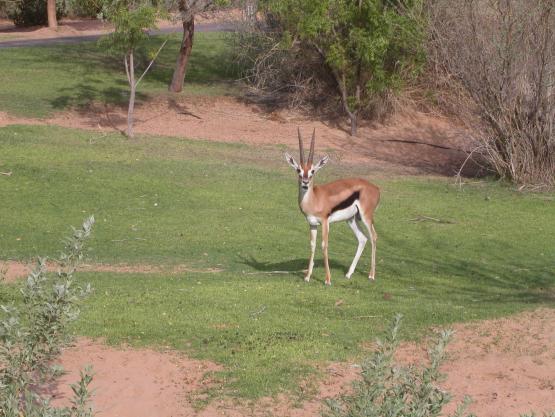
[
  {"x": 51, "y": 13},
  {"x": 354, "y": 124},
  {"x": 133, "y": 86},
  {"x": 183, "y": 58}
]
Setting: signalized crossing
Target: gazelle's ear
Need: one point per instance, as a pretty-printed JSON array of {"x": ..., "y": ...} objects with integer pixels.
[
  {"x": 321, "y": 163},
  {"x": 291, "y": 161}
]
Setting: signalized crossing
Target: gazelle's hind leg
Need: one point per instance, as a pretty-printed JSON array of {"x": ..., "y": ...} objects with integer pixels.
[
  {"x": 373, "y": 238},
  {"x": 362, "y": 239}
]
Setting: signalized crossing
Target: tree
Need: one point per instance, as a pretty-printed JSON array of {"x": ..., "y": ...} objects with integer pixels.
[
  {"x": 51, "y": 13},
  {"x": 187, "y": 10},
  {"x": 367, "y": 46},
  {"x": 131, "y": 25}
]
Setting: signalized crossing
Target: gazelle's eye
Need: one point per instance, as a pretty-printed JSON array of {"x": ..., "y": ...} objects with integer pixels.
[
  {"x": 312, "y": 172},
  {"x": 298, "y": 170}
]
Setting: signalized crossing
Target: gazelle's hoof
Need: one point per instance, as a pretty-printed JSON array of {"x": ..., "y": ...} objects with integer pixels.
[
  {"x": 306, "y": 279},
  {"x": 328, "y": 283},
  {"x": 371, "y": 278},
  {"x": 348, "y": 276}
]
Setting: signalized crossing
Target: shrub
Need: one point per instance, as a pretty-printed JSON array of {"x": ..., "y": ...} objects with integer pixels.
[
  {"x": 31, "y": 336},
  {"x": 366, "y": 49},
  {"x": 502, "y": 54},
  {"x": 387, "y": 389},
  {"x": 31, "y": 12}
]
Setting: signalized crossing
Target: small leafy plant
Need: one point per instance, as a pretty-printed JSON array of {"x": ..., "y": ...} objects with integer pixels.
[
  {"x": 33, "y": 335},
  {"x": 387, "y": 389},
  {"x": 132, "y": 23}
]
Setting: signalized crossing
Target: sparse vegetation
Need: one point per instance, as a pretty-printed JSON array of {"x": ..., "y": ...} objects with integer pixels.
[
  {"x": 33, "y": 333},
  {"x": 389, "y": 389}
]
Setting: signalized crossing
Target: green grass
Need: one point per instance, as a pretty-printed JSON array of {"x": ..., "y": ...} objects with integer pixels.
[
  {"x": 38, "y": 81},
  {"x": 170, "y": 201}
]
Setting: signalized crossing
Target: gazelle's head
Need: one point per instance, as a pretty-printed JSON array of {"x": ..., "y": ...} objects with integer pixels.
[{"x": 306, "y": 169}]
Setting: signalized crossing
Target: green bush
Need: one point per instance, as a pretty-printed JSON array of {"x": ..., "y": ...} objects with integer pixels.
[
  {"x": 32, "y": 12},
  {"x": 33, "y": 335},
  {"x": 83, "y": 8},
  {"x": 387, "y": 389},
  {"x": 366, "y": 49}
]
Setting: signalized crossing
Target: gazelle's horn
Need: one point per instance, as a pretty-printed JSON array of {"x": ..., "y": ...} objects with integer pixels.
[
  {"x": 301, "y": 148},
  {"x": 311, "y": 154}
]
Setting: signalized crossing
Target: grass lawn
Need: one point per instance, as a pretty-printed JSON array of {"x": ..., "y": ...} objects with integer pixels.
[
  {"x": 38, "y": 81},
  {"x": 167, "y": 201}
]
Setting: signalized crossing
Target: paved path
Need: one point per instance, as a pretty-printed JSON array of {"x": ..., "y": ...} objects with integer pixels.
[{"x": 203, "y": 27}]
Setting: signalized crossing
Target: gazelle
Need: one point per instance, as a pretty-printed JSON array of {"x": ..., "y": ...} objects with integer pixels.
[{"x": 353, "y": 200}]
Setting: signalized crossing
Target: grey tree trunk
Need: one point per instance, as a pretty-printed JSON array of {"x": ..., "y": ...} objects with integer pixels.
[
  {"x": 51, "y": 13},
  {"x": 178, "y": 78},
  {"x": 354, "y": 123},
  {"x": 133, "y": 87}
]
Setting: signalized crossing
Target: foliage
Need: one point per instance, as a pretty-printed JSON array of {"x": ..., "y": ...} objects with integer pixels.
[
  {"x": 232, "y": 292},
  {"x": 502, "y": 54},
  {"x": 33, "y": 334},
  {"x": 84, "y": 8},
  {"x": 31, "y": 12},
  {"x": 388, "y": 389},
  {"x": 131, "y": 25},
  {"x": 368, "y": 47}
]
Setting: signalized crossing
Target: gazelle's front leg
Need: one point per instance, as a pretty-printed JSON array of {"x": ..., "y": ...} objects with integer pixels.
[
  {"x": 325, "y": 234},
  {"x": 313, "y": 235}
]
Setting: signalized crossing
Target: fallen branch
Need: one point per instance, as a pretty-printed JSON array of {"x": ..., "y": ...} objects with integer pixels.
[{"x": 432, "y": 219}]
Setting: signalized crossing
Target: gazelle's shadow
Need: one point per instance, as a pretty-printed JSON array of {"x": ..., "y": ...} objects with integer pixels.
[{"x": 296, "y": 267}]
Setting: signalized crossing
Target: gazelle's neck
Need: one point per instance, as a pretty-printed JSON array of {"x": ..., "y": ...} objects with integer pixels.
[{"x": 305, "y": 194}]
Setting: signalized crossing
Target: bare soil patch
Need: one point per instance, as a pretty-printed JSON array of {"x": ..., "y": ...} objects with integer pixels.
[
  {"x": 408, "y": 144},
  {"x": 13, "y": 270},
  {"x": 132, "y": 382},
  {"x": 506, "y": 365}
]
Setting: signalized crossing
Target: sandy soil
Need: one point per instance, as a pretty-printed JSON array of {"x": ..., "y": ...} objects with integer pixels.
[
  {"x": 85, "y": 27},
  {"x": 408, "y": 144},
  {"x": 506, "y": 365},
  {"x": 13, "y": 270}
]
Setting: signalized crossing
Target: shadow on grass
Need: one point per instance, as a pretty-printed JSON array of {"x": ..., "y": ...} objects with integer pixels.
[
  {"x": 83, "y": 95},
  {"x": 499, "y": 274},
  {"x": 295, "y": 267}
]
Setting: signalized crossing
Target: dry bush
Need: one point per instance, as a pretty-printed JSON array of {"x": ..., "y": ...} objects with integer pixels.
[
  {"x": 502, "y": 55},
  {"x": 278, "y": 75}
]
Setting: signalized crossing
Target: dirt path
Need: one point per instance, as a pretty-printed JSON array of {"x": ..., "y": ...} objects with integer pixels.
[
  {"x": 416, "y": 144},
  {"x": 88, "y": 28},
  {"x": 13, "y": 270},
  {"x": 506, "y": 365}
]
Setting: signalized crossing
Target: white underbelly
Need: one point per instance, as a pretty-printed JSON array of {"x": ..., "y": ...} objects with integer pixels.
[
  {"x": 345, "y": 214},
  {"x": 313, "y": 220}
]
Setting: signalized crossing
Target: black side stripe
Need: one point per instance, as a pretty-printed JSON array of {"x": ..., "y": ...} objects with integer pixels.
[{"x": 346, "y": 203}]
